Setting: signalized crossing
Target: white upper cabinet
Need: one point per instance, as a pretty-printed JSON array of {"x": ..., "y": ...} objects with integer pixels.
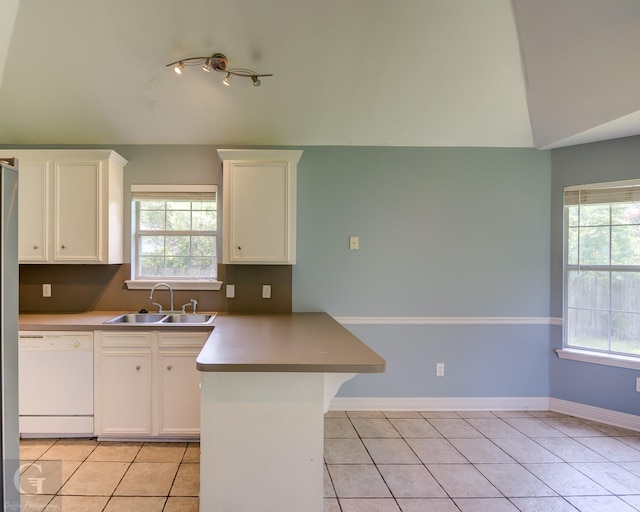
[
  {"x": 70, "y": 206},
  {"x": 259, "y": 206}
]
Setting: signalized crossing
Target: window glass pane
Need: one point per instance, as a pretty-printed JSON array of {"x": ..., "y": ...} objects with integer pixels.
[
  {"x": 152, "y": 245},
  {"x": 177, "y": 267},
  {"x": 152, "y": 220},
  {"x": 588, "y": 329},
  {"x": 203, "y": 267},
  {"x": 625, "y": 333},
  {"x": 594, "y": 215},
  {"x": 625, "y": 291},
  {"x": 572, "y": 246},
  {"x": 594, "y": 246},
  {"x": 150, "y": 266},
  {"x": 151, "y": 205},
  {"x": 625, "y": 213},
  {"x": 588, "y": 290},
  {"x": 625, "y": 245},
  {"x": 204, "y": 221},
  {"x": 572, "y": 215},
  {"x": 179, "y": 205},
  {"x": 203, "y": 205},
  {"x": 178, "y": 246},
  {"x": 178, "y": 220},
  {"x": 203, "y": 246}
]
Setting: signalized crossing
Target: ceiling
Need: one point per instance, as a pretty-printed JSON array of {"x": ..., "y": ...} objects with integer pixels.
[{"x": 491, "y": 73}]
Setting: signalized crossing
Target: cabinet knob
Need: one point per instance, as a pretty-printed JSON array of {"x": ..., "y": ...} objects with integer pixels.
[
  {"x": 63, "y": 246},
  {"x": 169, "y": 367},
  {"x": 138, "y": 367},
  {"x": 35, "y": 246},
  {"x": 239, "y": 248}
]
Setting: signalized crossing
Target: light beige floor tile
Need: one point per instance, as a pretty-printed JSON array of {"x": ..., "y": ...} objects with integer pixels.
[
  {"x": 179, "y": 504},
  {"x": 391, "y": 451},
  {"x": 32, "y": 449},
  {"x": 611, "y": 448},
  {"x": 147, "y": 479},
  {"x": 338, "y": 428},
  {"x": 485, "y": 505},
  {"x": 402, "y": 414},
  {"x": 513, "y": 414},
  {"x": 634, "y": 501},
  {"x": 566, "y": 480},
  {"x": 70, "y": 449},
  {"x": 161, "y": 452},
  {"x": 374, "y": 427},
  {"x": 335, "y": 414},
  {"x": 430, "y": 504},
  {"x": 358, "y": 481},
  {"x": 435, "y": 451},
  {"x": 569, "y": 450},
  {"x": 77, "y": 504},
  {"x": 633, "y": 441},
  {"x": 331, "y": 505},
  {"x": 187, "y": 481},
  {"x": 525, "y": 450},
  {"x": 543, "y": 505},
  {"x": 115, "y": 451},
  {"x": 328, "y": 491},
  {"x": 369, "y": 505},
  {"x": 612, "y": 477},
  {"x": 345, "y": 451},
  {"x": 573, "y": 427},
  {"x": 454, "y": 428},
  {"x": 411, "y": 481},
  {"x": 34, "y": 502},
  {"x": 512, "y": 480},
  {"x": 600, "y": 504},
  {"x": 494, "y": 428},
  {"x": 135, "y": 504},
  {"x": 365, "y": 414},
  {"x": 412, "y": 427},
  {"x": 192, "y": 453},
  {"x": 476, "y": 414},
  {"x": 481, "y": 451},
  {"x": 95, "y": 479},
  {"x": 533, "y": 427},
  {"x": 463, "y": 481},
  {"x": 47, "y": 476},
  {"x": 439, "y": 414}
]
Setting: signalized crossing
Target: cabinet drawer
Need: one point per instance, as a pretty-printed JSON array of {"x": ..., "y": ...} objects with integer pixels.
[
  {"x": 182, "y": 339},
  {"x": 123, "y": 339}
]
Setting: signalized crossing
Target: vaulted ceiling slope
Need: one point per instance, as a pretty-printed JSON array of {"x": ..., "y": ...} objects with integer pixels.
[{"x": 495, "y": 73}]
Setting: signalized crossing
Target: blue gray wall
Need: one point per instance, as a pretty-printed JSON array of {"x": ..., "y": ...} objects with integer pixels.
[
  {"x": 448, "y": 236},
  {"x": 591, "y": 384}
]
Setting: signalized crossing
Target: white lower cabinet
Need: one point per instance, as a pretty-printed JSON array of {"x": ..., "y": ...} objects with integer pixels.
[{"x": 147, "y": 384}]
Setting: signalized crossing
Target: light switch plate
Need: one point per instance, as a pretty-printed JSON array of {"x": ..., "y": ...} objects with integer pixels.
[
  {"x": 266, "y": 291},
  {"x": 231, "y": 291}
]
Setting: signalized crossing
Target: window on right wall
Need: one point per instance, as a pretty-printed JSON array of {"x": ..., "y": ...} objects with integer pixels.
[{"x": 602, "y": 268}]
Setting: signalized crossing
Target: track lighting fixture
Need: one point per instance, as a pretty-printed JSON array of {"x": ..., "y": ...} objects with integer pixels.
[{"x": 218, "y": 62}]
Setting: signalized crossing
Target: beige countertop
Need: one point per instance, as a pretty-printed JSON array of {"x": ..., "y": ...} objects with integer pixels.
[
  {"x": 299, "y": 342},
  {"x": 94, "y": 321}
]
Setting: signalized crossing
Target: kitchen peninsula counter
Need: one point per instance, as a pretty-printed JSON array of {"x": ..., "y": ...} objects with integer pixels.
[
  {"x": 298, "y": 342},
  {"x": 266, "y": 382}
]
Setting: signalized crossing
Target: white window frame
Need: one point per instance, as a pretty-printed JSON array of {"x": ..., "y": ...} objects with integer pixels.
[
  {"x": 165, "y": 192},
  {"x": 631, "y": 190}
]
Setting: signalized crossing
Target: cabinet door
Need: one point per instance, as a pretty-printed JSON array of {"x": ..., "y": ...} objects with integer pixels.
[
  {"x": 124, "y": 405},
  {"x": 77, "y": 207},
  {"x": 258, "y": 202},
  {"x": 179, "y": 394},
  {"x": 33, "y": 205}
]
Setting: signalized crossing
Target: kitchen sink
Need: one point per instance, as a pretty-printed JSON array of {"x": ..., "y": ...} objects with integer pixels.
[
  {"x": 188, "y": 318},
  {"x": 163, "y": 318},
  {"x": 137, "y": 318}
]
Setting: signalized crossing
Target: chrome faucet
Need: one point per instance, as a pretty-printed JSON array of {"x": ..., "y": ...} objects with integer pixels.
[
  {"x": 168, "y": 286},
  {"x": 193, "y": 303}
]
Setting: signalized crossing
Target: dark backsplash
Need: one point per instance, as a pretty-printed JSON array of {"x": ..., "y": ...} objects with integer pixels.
[{"x": 79, "y": 288}]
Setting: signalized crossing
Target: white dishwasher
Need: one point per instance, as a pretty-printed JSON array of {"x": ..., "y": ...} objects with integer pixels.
[{"x": 55, "y": 383}]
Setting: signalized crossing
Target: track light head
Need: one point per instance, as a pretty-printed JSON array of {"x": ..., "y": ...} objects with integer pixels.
[
  {"x": 178, "y": 67},
  {"x": 227, "y": 80},
  {"x": 256, "y": 80},
  {"x": 218, "y": 62}
]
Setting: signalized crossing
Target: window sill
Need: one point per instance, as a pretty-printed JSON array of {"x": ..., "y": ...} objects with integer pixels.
[
  {"x": 632, "y": 363},
  {"x": 176, "y": 285}
]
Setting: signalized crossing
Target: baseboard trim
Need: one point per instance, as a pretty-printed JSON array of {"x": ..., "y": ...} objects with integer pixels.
[
  {"x": 440, "y": 404},
  {"x": 588, "y": 412}
]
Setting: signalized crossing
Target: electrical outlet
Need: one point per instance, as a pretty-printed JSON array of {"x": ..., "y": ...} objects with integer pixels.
[
  {"x": 440, "y": 370},
  {"x": 266, "y": 291},
  {"x": 354, "y": 243},
  {"x": 46, "y": 290},
  {"x": 638, "y": 384},
  {"x": 231, "y": 291}
]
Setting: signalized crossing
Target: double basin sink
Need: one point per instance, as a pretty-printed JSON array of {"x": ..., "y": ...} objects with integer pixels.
[{"x": 163, "y": 318}]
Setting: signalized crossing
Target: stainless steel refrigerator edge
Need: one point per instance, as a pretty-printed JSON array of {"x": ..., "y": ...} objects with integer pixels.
[{"x": 9, "y": 442}]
